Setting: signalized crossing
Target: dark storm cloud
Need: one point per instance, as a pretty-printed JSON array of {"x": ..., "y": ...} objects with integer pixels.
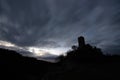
[
  {"x": 22, "y": 24},
  {"x": 58, "y": 23}
]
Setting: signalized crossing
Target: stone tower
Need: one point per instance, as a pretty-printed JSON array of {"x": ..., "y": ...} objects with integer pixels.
[{"x": 81, "y": 41}]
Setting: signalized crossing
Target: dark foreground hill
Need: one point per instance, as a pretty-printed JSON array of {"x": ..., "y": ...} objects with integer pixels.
[
  {"x": 83, "y": 62},
  {"x": 15, "y": 66}
]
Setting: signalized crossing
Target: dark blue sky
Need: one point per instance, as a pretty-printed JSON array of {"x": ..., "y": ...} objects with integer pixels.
[{"x": 58, "y": 23}]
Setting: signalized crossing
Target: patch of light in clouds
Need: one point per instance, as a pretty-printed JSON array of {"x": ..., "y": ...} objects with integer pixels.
[{"x": 35, "y": 50}]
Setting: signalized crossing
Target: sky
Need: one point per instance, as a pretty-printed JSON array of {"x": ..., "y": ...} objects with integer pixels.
[{"x": 45, "y": 27}]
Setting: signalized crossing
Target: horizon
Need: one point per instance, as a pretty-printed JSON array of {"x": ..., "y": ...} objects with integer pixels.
[{"x": 44, "y": 27}]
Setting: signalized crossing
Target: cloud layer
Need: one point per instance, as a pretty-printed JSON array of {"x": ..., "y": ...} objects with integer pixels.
[{"x": 56, "y": 24}]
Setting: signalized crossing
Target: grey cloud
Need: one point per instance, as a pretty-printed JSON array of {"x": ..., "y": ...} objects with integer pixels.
[
  {"x": 47, "y": 23},
  {"x": 29, "y": 23}
]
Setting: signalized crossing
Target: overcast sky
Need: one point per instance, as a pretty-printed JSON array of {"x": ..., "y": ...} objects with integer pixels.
[{"x": 58, "y": 23}]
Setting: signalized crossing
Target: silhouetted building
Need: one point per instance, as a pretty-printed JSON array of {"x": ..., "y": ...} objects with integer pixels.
[{"x": 81, "y": 41}]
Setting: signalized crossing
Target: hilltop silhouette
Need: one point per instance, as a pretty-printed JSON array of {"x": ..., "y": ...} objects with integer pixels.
[
  {"x": 18, "y": 67},
  {"x": 82, "y": 62},
  {"x": 84, "y": 50}
]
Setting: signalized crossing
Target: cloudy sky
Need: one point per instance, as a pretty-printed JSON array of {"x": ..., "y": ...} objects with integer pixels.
[{"x": 54, "y": 25}]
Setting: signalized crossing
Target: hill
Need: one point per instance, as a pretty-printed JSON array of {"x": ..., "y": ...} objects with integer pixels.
[
  {"x": 83, "y": 62},
  {"x": 15, "y": 66},
  {"x": 86, "y": 62}
]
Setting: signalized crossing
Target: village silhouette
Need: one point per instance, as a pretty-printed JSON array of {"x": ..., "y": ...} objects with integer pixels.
[{"x": 82, "y": 62}]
